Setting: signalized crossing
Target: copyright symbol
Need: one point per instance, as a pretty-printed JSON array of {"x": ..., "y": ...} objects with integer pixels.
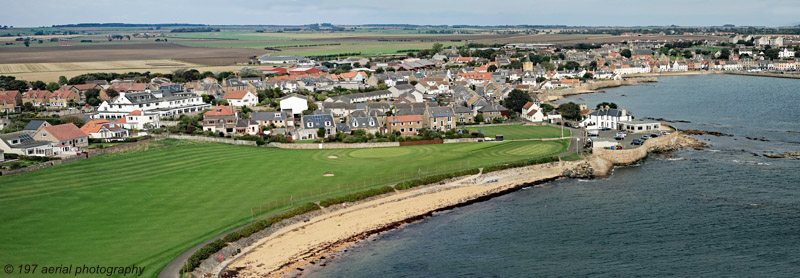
[{"x": 9, "y": 268}]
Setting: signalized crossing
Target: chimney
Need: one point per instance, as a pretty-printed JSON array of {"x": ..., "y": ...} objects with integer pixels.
[{"x": 624, "y": 112}]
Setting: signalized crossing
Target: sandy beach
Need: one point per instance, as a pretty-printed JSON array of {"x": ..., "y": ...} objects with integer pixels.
[{"x": 294, "y": 246}]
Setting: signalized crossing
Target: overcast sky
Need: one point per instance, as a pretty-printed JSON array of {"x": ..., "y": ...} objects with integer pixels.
[{"x": 472, "y": 12}]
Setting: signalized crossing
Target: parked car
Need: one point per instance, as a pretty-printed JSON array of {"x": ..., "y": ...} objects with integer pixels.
[
  {"x": 654, "y": 135},
  {"x": 636, "y": 142},
  {"x": 622, "y": 134},
  {"x": 645, "y": 137},
  {"x": 665, "y": 133},
  {"x": 618, "y": 137},
  {"x": 605, "y": 128}
]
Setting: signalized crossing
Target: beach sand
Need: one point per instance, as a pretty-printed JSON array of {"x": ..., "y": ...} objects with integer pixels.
[{"x": 292, "y": 247}]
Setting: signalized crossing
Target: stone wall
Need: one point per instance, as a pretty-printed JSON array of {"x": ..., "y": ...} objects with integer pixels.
[
  {"x": 589, "y": 87},
  {"x": 463, "y": 140},
  {"x": 213, "y": 139},
  {"x": 603, "y": 160}
]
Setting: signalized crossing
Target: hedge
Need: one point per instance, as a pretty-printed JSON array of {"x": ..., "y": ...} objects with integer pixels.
[
  {"x": 520, "y": 164},
  {"x": 357, "y": 196},
  {"x": 434, "y": 179},
  {"x": 211, "y": 248}
]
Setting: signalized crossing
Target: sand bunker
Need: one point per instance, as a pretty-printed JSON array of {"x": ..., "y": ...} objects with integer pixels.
[
  {"x": 333, "y": 157},
  {"x": 328, "y": 174}
]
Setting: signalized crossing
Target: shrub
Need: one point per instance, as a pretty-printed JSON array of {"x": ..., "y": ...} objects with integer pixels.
[
  {"x": 211, "y": 248},
  {"x": 357, "y": 196},
  {"x": 202, "y": 254}
]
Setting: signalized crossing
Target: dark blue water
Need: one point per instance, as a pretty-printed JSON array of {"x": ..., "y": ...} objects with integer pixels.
[{"x": 711, "y": 213}]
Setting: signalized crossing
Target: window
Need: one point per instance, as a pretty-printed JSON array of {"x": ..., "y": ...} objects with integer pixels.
[{"x": 310, "y": 124}]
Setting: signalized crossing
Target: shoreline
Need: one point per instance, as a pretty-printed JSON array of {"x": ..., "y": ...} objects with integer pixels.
[
  {"x": 314, "y": 239},
  {"x": 308, "y": 245}
]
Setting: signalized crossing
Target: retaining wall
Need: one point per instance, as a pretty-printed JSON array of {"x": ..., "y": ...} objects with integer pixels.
[
  {"x": 463, "y": 140},
  {"x": 213, "y": 139},
  {"x": 603, "y": 160}
]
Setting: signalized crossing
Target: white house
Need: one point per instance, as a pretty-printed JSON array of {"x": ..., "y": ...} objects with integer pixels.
[
  {"x": 532, "y": 112},
  {"x": 140, "y": 120},
  {"x": 294, "y": 102},
  {"x": 786, "y": 53},
  {"x": 241, "y": 98},
  {"x": 166, "y": 106},
  {"x": 606, "y": 118}
]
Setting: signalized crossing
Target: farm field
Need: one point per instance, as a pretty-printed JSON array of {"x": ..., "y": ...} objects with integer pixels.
[
  {"x": 516, "y": 132},
  {"x": 144, "y": 208},
  {"x": 52, "y": 76},
  {"x": 88, "y": 66},
  {"x": 117, "y": 51}
]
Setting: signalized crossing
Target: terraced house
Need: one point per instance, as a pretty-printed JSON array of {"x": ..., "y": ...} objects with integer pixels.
[
  {"x": 407, "y": 125},
  {"x": 168, "y": 105},
  {"x": 440, "y": 118}
]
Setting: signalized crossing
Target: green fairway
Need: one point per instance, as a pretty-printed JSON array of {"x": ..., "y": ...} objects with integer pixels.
[
  {"x": 145, "y": 208},
  {"x": 515, "y": 132}
]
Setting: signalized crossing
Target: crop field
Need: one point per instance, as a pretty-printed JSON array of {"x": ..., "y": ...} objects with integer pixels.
[
  {"x": 515, "y": 132},
  {"x": 144, "y": 208},
  {"x": 114, "y": 52},
  {"x": 89, "y": 66}
]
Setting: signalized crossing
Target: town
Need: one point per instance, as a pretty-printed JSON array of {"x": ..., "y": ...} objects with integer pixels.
[{"x": 432, "y": 93}]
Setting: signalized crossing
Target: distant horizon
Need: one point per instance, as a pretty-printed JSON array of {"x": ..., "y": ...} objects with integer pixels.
[
  {"x": 578, "y": 13},
  {"x": 64, "y": 25}
]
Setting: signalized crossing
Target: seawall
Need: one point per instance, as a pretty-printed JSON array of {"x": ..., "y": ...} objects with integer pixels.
[
  {"x": 603, "y": 160},
  {"x": 593, "y": 86}
]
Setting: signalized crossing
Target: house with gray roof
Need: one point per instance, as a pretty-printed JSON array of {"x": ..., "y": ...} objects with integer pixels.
[
  {"x": 22, "y": 143},
  {"x": 312, "y": 123},
  {"x": 606, "y": 118}
]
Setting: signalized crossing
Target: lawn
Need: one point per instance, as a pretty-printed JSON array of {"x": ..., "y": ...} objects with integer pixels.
[
  {"x": 515, "y": 132},
  {"x": 144, "y": 208}
]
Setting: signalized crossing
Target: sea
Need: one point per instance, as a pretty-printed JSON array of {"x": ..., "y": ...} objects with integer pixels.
[{"x": 724, "y": 211}]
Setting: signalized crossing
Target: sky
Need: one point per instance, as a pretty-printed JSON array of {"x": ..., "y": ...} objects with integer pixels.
[{"x": 34, "y": 13}]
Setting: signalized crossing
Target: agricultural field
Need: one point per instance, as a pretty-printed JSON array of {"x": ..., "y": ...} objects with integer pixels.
[
  {"x": 88, "y": 66},
  {"x": 146, "y": 207},
  {"x": 517, "y": 132}
]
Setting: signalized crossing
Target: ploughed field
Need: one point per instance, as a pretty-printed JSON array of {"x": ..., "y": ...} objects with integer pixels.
[
  {"x": 146, "y": 207},
  {"x": 516, "y": 132}
]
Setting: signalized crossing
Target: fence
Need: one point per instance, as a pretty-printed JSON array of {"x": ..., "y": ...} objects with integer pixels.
[
  {"x": 422, "y": 142},
  {"x": 318, "y": 146}
]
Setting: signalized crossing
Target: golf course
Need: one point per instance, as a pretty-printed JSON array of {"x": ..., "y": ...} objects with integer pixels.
[
  {"x": 520, "y": 132},
  {"x": 145, "y": 207}
]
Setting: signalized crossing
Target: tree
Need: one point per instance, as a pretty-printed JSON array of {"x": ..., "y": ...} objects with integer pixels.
[
  {"x": 569, "y": 111},
  {"x": 28, "y": 106},
  {"x": 516, "y": 100},
  {"x": 548, "y": 66},
  {"x": 687, "y": 54},
  {"x": 572, "y": 65},
  {"x": 379, "y": 70},
  {"x": 413, "y": 82},
  {"x": 27, "y": 43},
  {"x": 311, "y": 105},
  {"x": 479, "y": 118},
  {"x": 437, "y": 47},
  {"x": 593, "y": 65},
  {"x": 588, "y": 75},
  {"x": 52, "y": 86},
  {"x": 772, "y": 53},
  {"x": 39, "y": 85},
  {"x": 626, "y": 53},
  {"x": 491, "y": 68},
  {"x": 321, "y": 132},
  {"x": 540, "y": 79},
  {"x": 73, "y": 119},
  {"x": 725, "y": 54},
  {"x": 111, "y": 93},
  {"x": 547, "y": 108},
  {"x": 62, "y": 80},
  {"x": 604, "y": 104}
]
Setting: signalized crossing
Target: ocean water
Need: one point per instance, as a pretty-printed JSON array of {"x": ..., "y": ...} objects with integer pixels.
[{"x": 720, "y": 212}]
